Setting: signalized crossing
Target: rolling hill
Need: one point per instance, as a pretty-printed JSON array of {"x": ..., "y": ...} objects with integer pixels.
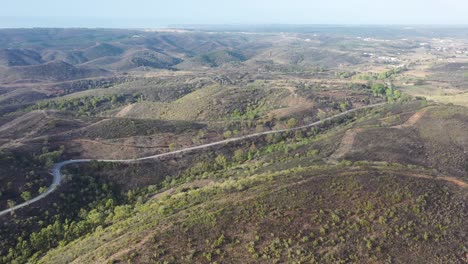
[
  {"x": 226, "y": 144},
  {"x": 19, "y": 57},
  {"x": 52, "y": 71}
]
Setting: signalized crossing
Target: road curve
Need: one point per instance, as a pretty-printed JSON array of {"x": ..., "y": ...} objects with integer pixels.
[{"x": 58, "y": 166}]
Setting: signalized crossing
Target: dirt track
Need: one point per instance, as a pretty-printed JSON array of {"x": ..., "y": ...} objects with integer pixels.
[
  {"x": 58, "y": 166},
  {"x": 345, "y": 147},
  {"x": 348, "y": 139},
  {"x": 125, "y": 111},
  {"x": 346, "y": 143},
  {"x": 413, "y": 119},
  {"x": 449, "y": 179}
]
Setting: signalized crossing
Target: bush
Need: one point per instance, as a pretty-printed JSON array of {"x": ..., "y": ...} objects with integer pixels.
[
  {"x": 221, "y": 161},
  {"x": 26, "y": 196},
  {"x": 292, "y": 123},
  {"x": 239, "y": 155},
  {"x": 227, "y": 134}
]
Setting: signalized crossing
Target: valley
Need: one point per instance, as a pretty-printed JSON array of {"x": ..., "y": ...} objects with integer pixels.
[{"x": 233, "y": 145}]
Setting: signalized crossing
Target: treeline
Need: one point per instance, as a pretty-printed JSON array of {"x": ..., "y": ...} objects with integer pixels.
[
  {"x": 48, "y": 157},
  {"x": 382, "y": 75},
  {"x": 389, "y": 92},
  {"x": 88, "y": 105}
]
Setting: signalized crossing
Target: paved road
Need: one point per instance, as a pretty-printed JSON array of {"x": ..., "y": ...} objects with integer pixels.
[{"x": 58, "y": 166}]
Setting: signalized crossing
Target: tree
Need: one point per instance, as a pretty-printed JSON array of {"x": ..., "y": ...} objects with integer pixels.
[
  {"x": 425, "y": 236},
  {"x": 114, "y": 99},
  {"x": 172, "y": 146},
  {"x": 292, "y": 122},
  {"x": 221, "y": 161},
  {"x": 42, "y": 189},
  {"x": 200, "y": 134},
  {"x": 11, "y": 203},
  {"x": 122, "y": 212},
  {"x": 252, "y": 151},
  {"x": 26, "y": 195},
  {"x": 227, "y": 134},
  {"x": 369, "y": 244},
  {"x": 389, "y": 92},
  {"x": 95, "y": 217},
  {"x": 378, "y": 89},
  {"x": 201, "y": 167},
  {"x": 344, "y": 106},
  {"x": 397, "y": 94},
  {"x": 239, "y": 155},
  {"x": 270, "y": 138},
  {"x": 253, "y": 148},
  {"x": 298, "y": 135},
  {"x": 322, "y": 114}
]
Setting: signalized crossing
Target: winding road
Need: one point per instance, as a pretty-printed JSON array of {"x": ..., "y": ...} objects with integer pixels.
[{"x": 58, "y": 166}]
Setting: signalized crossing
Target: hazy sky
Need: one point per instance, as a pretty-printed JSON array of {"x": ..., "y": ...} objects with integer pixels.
[{"x": 152, "y": 13}]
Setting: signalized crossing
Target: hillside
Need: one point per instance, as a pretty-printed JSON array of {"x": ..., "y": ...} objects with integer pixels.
[
  {"x": 143, "y": 58},
  {"x": 18, "y": 57},
  {"x": 282, "y": 206},
  {"x": 52, "y": 71},
  {"x": 102, "y": 50},
  {"x": 285, "y": 220},
  {"x": 226, "y": 144},
  {"x": 214, "y": 59}
]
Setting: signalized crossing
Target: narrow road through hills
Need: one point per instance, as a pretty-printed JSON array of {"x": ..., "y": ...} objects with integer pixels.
[{"x": 58, "y": 166}]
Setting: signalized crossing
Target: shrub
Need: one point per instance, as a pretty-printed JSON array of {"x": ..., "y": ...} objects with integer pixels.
[
  {"x": 221, "y": 161},
  {"x": 227, "y": 134},
  {"x": 292, "y": 123},
  {"x": 26, "y": 196}
]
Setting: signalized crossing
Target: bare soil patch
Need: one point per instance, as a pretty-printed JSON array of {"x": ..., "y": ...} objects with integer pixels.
[{"x": 124, "y": 112}]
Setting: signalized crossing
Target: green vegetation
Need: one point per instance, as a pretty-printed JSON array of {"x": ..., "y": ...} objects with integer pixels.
[
  {"x": 24, "y": 176},
  {"x": 345, "y": 75},
  {"x": 379, "y": 185},
  {"x": 381, "y": 76},
  {"x": 362, "y": 229},
  {"x": 391, "y": 73},
  {"x": 26, "y": 195},
  {"x": 390, "y": 93},
  {"x": 48, "y": 158},
  {"x": 75, "y": 213},
  {"x": 292, "y": 122},
  {"x": 124, "y": 127},
  {"x": 218, "y": 58},
  {"x": 90, "y": 105}
]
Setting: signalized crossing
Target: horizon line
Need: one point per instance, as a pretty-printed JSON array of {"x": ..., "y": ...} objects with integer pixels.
[{"x": 194, "y": 26}]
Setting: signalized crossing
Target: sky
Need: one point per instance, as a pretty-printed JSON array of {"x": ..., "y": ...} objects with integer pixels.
[{"x": 161, "y": 13}]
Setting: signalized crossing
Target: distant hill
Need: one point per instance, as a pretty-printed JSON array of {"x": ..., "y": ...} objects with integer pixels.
[
  {"x": 214, "y": 59},
  {"x": 102, "y": 50},
  {"x": 74, "y": 57},
  {"x": 134, "y": 59},
  {"x": 52, "y": 71},
  {"x": 148, "y": 58},
  {"x": 218, "y": 58},
  {"x": 71, "y": 57},
  {"x": 19, "y": 57},
  {"x": 311, "y": 57}
]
